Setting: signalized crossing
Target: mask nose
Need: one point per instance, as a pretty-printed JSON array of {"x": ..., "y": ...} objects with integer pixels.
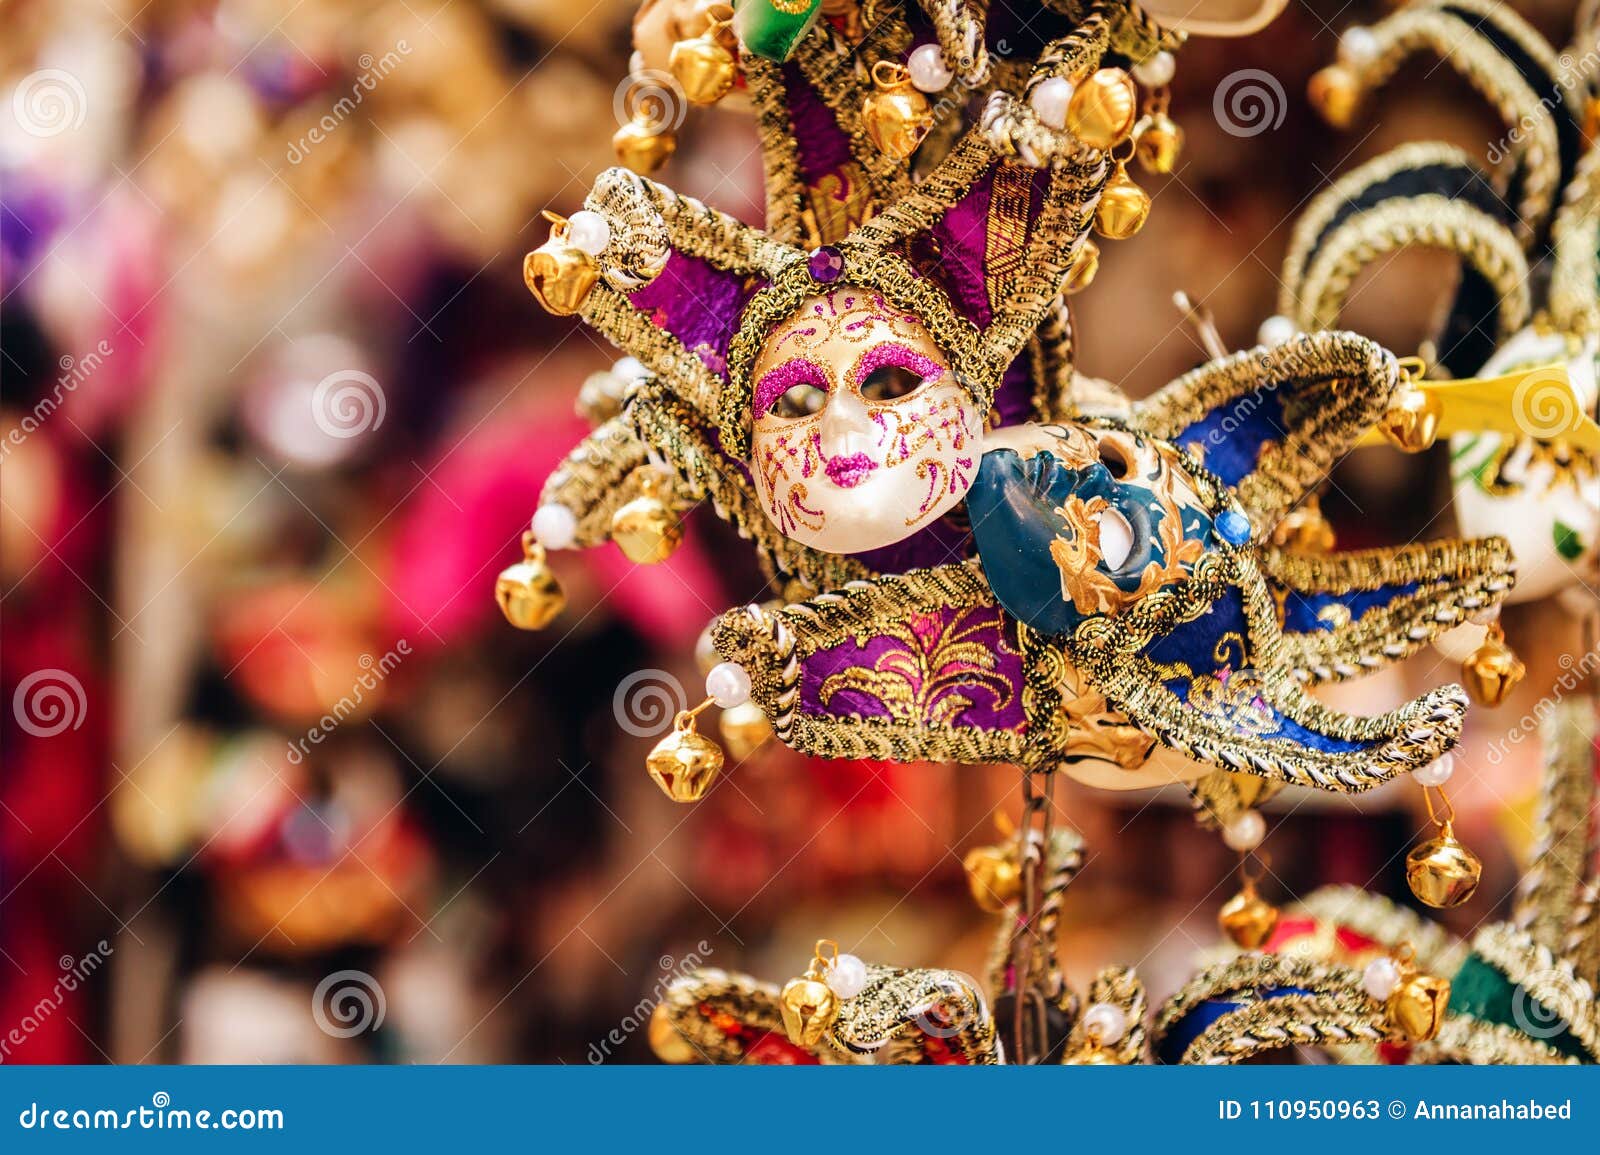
[{"x": 847, "y": 427}]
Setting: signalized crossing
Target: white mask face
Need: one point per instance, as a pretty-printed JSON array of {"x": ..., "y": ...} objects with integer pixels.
[
  {"x": 861, "y": 433},
  {"x": 1542, "y": 496}
]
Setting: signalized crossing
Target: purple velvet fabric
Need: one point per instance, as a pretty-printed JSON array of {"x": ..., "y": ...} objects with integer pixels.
[
  {"x": 822, "y": 146},
  {"x": 938, "y": 544},
  {"x": 697, "y": 304},
  {"x": 921, "y": 666}
]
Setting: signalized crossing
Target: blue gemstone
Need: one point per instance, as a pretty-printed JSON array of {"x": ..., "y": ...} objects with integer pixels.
[{"x": 1233, "y": 527}]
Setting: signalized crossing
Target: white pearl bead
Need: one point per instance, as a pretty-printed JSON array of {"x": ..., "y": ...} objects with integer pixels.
[
  {"x": 1245, "y": 832},
  {"x": 728, "y": 685},
  {"x": 1049, "y": 101},
  {"x": 928, "y": 70},
  {"x": 1380, "y": 978},
  {"x": 1155, "y": 70},
  {"x": 1276, "y": 330},
  {"x": 1435, "y": 773},
  {"x": 847, "y": 977},
  {"x": 589, "y": 231},
  {"x": 1105, "y": 1022},
  {"x": 1358, "y": 46},
  {"x": 555, "y": 526},
  {"x": 1116, "y": 539}
]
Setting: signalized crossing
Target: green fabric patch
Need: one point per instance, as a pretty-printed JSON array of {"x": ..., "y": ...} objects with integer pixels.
[
  {"x": 766, "y": 30},
  {"x": 1483, "y": 991},
  {"x": 1568, "y": 544}
]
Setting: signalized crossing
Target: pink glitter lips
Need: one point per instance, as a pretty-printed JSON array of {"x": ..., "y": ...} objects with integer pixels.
[{"x": 849, "y": 472}]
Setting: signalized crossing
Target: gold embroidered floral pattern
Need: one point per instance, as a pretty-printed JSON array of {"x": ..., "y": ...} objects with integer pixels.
[{"x": 933, "y": 673}]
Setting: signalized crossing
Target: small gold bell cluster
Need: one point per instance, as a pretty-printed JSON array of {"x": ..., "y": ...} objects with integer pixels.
[
  {"x": 1493, "y": 670},
  {"x": 646, "y": 528},
  {"x": 994, "y": 877},
  {"x": 1440, "y": 870},
  {"x": 1413, "y": 1002},
  {"x": 1336, "y": 91},
  {"x": 704, "y": 67},
  {"x": 685, "y": 763},
  {"x": 1247, "y": 918},
  {"x": 896, "y": 116},
  {"x": 527, "y": 592},
  {"x": 810, "y": 1004}
]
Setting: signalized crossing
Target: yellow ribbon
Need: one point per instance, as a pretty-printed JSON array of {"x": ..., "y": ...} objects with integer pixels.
[{"x": 1536, "y": 402}]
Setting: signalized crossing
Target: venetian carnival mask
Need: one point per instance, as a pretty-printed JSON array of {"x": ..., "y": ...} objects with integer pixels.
[
  {"x": 860, "y": 432},
  {"x": 1542, "y": 496}
]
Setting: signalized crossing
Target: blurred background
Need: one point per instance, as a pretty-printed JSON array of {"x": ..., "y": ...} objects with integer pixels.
[{"x": 277, "y": 781}]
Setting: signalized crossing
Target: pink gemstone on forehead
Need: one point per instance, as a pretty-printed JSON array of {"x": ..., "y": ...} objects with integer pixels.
[{"x": 825, "y": 264}]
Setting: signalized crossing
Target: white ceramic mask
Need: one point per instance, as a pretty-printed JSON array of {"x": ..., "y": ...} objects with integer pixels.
[
  {"x": 1542, "y": 496},
  {"x": 861, "y": 434}
]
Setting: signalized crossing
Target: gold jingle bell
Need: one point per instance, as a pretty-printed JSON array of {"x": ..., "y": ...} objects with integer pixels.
[
  {"x": 1157, "y": 142},
  {"x": 993, "y": 877},
  {"x": 1335, "y": 93},
  {"x": 1085, "y": 264},
  {"x": 702, "y": 65},
  {"x": 896, "y": 115},
  {"x": 527, "y": 592},
  {"x": 1412, "y": 422},
  {"x": 1417, "y": 1006},
  {"x": 1441, "y": 871},
  {"x": 744, "y": 729},
  {"x": 669, "y": 1046},
  {"x": 1103, "y": 109},
  {"x": 1493, "y": 670},
  {"x": 1304, "y": 529},
  {"x": 645, "y": 143},
  {"x": 558, "y": 273},
  {"x": 685, "y": 762},
  {"x": 1247, "y": 918},
  {"x": 1123, "y": 206},
  {"x": 646, "y": 529},
  {"x": 808, "y": 1006}
]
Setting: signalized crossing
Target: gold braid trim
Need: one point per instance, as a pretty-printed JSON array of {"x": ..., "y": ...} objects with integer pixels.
[
  {"x": 693, "y": 1000},
  {"x": 766, "y": 642},
  {"x": 1335, "y": 1011},
  {"x": 1547, "y": 978},
  {"x": 1119, "y": 987},
  {"x": 898, "y": 1011},
  {"x": 1222, "y": 795},
  {"x": 591, "y": 479},
  {"x": 1373, "y": 916},
  {"x": 780, "y": 161},
  {"x": 1323, "y": 207},
  {"x": 1009, "y": 123},
  {"x": 1455, "y": 579},
  {"x": 1575, "y": 235},
  {"x": 1339, "y": 387},
  {"x": 1559, "y": 859},
  {"x": 1459, "y": 42},
  {"x": 676, "y": 432},
  {"x": 1463, "y": 1039},
  {"x": 958, "y": 26},
  {"x": 1060, "y": 866},
  {"x": 1137, "y": 36},
  {"x": 1288, "y": 1021},
  {"x": 1582, "y": 944},
  {"x": 830, "y": 66},
  {"x": 1431, "y": 221}
]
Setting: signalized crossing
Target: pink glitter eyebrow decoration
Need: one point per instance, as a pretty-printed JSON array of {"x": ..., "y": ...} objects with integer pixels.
[
  {"x": 900, "y": 356},
  {"x": 775, "y": 383}
]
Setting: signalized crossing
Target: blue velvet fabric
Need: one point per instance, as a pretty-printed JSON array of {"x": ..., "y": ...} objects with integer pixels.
[
  {"x": 1233, "y": 435},
  {"x": 1217, "y": 644},
  {"x": 1300, "y": 610}
]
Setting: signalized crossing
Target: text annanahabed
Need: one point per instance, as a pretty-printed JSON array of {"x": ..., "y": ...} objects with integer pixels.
[{"x": 1505, "y": 1109}]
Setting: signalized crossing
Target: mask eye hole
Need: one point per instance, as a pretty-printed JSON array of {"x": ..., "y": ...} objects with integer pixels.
[
  {"x": 1114, "y": 458},
  {"x": 801, "y": 400},
  {"x": 890, "y": 383}
]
